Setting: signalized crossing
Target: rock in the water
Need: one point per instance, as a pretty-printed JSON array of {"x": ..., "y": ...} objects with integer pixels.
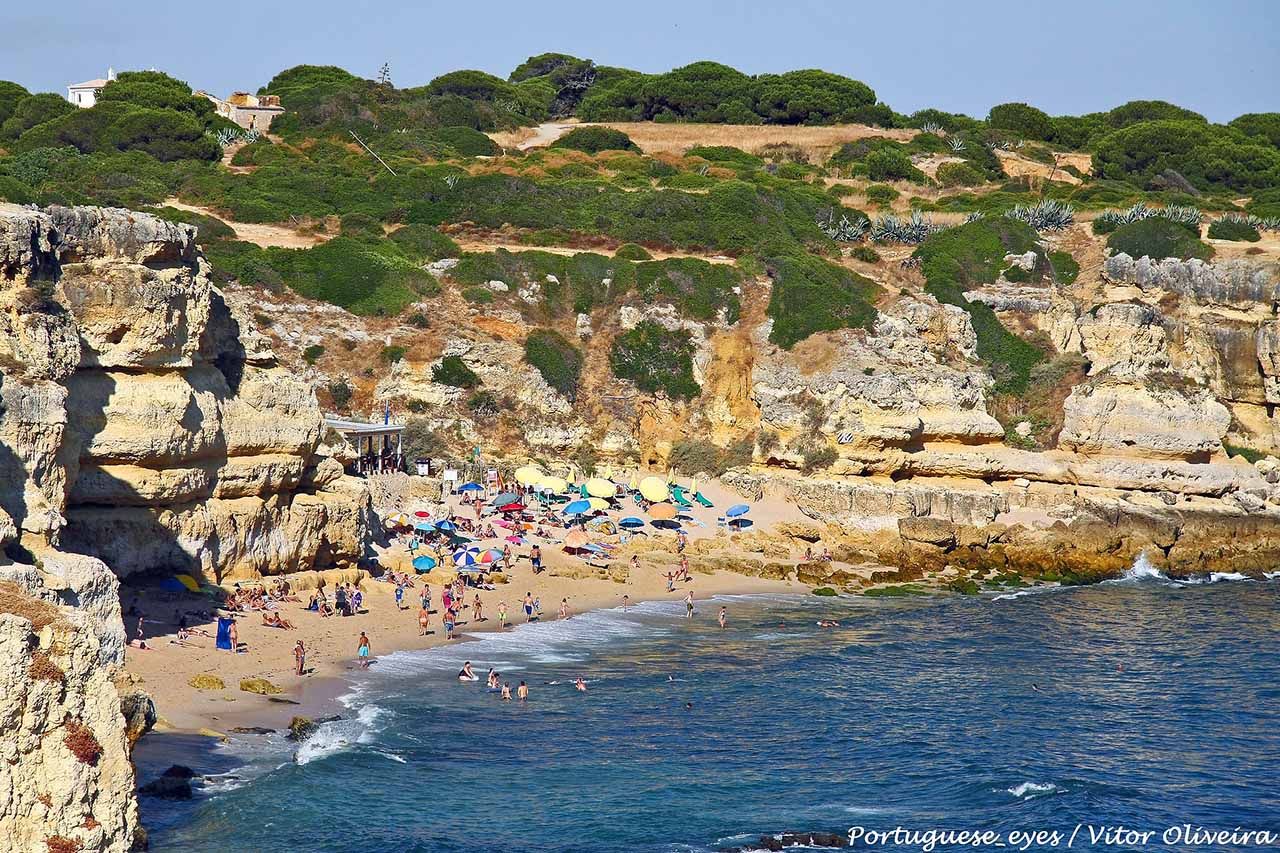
[
  {"x": 260, "y": 686},
  {"x": 174, "y": 784}
]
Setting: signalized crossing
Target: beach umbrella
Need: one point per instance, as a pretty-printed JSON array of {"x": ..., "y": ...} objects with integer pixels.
[
  {"x": 505, "y": 498},
  {"x": 737, "y": 510},
  {"x": 491, "y": 555},
  {"x": 422, "y": 513},
  {"x": 511, "y": 507},
  {"x": 424, "y": 527},
  {"x": 631, "y": 521},
  {"x": 575, "y": 539},
  {"x": 665, "y": 524},
  {"x": 466, "y": 556},
  {"x": 653, "y": 489},
  {"x": 528, "y": 475},
  {"x": 662, "y": 511},
  {"x": 597, "y": 503},
  {"x": 397, "y": 519},
  {"x": 740, "y": 522},
  {"x": 516, "y": 540},
  {"x": 424, "y": 564},
  {"x": 577, "y": 508},
  {"x": 446, "y": 524},
  {"x": 600, "y": 488},
  {"x": 189, "y": 582},
  {"x": 634, "y": 483},
  {"x": 552, "y": 484},
  {"x": 172, "y": 585}
]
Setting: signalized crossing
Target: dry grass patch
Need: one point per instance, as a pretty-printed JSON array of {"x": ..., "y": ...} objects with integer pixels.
[
  {"x": 82, "y": 743},
  {"x": 817, "y": 142},
  {"x": 42, "y": 668},
  {"x": 14, "y": 599}
]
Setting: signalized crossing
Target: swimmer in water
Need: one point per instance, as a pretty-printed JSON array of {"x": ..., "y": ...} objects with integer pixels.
[
  {"x": 828, "y": 623},
  {"x": 466, "y": 673},
  {"x": 580, "y": 685},
  {"x": 506, "y": 692},
  {"x": 1035, "y": 687}
]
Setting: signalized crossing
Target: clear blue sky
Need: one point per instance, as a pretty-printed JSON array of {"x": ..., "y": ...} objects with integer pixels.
[{"x": 1219, "y": 57}]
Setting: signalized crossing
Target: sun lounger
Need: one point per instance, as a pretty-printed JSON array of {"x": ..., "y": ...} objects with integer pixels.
[
  {"x": 677, "y": 496},
  {"x": 700, "y": 498}
]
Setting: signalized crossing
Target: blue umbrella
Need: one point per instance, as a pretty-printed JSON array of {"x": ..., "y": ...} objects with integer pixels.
[
  {"x": 424, "y": 564},
  {"x": 425, "y": 526},
  {"x": 737, "y": 510},
  {"x": 741, "y": 522},
  {"x": 172, "y": 585},
  {"x": 665, "y": 524},
  {"x": 631, "y": 521},
  {"x": 466, "y": 557},
  {"x": 577, "y": 508},
  {"x": 446, "y": 524}
]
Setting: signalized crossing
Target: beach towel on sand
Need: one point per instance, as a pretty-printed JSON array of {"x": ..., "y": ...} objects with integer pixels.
[{"x": 224, "y": 634}]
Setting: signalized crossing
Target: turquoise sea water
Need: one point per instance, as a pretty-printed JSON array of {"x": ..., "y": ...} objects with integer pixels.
[{"x": 1139, "y": 702}]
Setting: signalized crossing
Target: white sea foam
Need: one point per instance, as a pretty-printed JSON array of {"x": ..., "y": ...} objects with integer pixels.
[
  {"x": 1143, "y": 570},
  {"x": 1031, "y": 790},
  {"x": 340, "y": 735}
]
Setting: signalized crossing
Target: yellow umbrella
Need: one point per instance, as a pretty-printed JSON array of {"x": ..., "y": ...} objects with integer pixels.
[
  {"x": 597, "y": 503},
  {"x": 653, "y": 489},
  {"x": 528, "y": 475},
  {"x": 555, "y": 485},
  {"x": 635, "y": 481},
  {"x": 671, "y": 475},
  {"x": 600, "y": 488},
  {"x": 189, "y": 582}
]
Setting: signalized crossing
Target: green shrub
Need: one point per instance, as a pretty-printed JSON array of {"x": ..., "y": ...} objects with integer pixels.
[
  {"x": 697, "y": 456},
  {"x": 881, "y": 194},
  {"x": 593, "y": 140},
  {"x": 1248, "y": 454},
  {"x": 1233, "y": 228},
  {"x": 365, "y": 278},
  {"x": 810, "y": 295},
  {"x": 1261, "y": 125},
  {"x": 968, "y": 256},
  {"x": 1021, "y": 119},
  {"x": 360, "y": 225},
  {"x": 1207, "y": 155},
  {"x": 553, "y": 356},
  {"x": 391, "y": 354},
  {"x": 656, "y": 359},
  {"x": 33, "y": 110},
  {"x": 892, "y": 165},
  {"x": 824, "y": 591},
  {"x": 15, "y": 191},
  {"x": 418, "y": 320},
  {"x": 818, "y": 456},
  {"x": 484, "y": 404},
  {"x": 424, "y": 243},
  {"x": 1065, "y": 267},
  {"x": 632, "y": 252},
  {"x": 312, "y": 353},
  {"x": 1158, "y": 238},
  {"x": 340, "y": 393},
  {"x": 466, "y": 141},
  {"x": 960, "y": 175},
  {"x": 477, "y": 295},
  {"x": 453, "y": 371},
  {"x": 865, "y": 253},
  {"x": 726, "y": 155},
  {"x": 698, "y": 288}
]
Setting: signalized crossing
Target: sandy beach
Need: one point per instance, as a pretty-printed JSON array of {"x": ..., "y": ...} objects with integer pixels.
[{"x": 166, "y": 668}]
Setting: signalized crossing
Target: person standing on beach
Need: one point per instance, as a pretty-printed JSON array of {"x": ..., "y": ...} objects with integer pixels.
[
  {"x": 362, "y": 650},
  {"x": 564, "y": 608},
  {"x": 399, "y": 597},
  {"x": 528, "y": 607},
  {"x": 626, "y": 600},
  {"x": 425, "y": 596},
  {"x": 424, "y": 619},
  {"x": 502, "y": 616},
  {"x": 477, "y": 609},
  {"x": 233, "y": 634},
  {"x": 299, "y": 658},
  {"x": 139, "y": 637},
  {"x": 671, "y": 582},
  {"x": 721, "y": 618},
  {"x": 684, "y": 567},
  {"x": 688, "y": 605},
  {"x": 535, "y": 557}
]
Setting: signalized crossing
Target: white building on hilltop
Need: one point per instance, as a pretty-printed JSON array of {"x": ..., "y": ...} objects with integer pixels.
[
  {"x": 252, "y": 112},
  {"x": 86, "y": 94}
]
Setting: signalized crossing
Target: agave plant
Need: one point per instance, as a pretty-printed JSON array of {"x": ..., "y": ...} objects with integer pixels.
[
  {"x": 974, "y": 217},
  {"x": 844, "y": 230},
  {"x": 1243, "y": 219},
  {"x": 252, "y": 135},
  {"x": 1048, "y": 215},
  {"x": 226, "y": 136},
  {"x": 1181, "y": 214},
  {"x": 931, "y": 127},
  {"x": 1271, "y": 223},
  {"x": 955, "y": 143},
  {"x": 892, "y": 229},
  {"x": 451, "y": 181}
]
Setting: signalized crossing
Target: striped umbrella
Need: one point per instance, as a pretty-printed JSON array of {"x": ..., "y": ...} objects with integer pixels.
[
  {"x": 466, "y": 556},
  {"x": 491, "y": 555}
]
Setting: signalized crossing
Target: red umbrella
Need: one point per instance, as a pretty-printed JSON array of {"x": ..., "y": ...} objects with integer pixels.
[
  {"x": 422, "y": 514},
  {"x": 515, "y": 507}
]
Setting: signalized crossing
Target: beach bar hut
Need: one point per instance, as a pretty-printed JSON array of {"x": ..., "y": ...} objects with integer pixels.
[{"x": 378, "y": 446}]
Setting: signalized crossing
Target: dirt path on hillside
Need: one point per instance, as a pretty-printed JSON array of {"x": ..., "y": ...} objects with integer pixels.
[
  {"x": 258, "y": 233},
  {"x": 472, "y": 243}
]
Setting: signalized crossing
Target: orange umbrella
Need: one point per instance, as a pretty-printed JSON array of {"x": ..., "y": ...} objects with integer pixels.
[
  {"x": 575, "y": 539},
  {"x": 662, "y": 511}
]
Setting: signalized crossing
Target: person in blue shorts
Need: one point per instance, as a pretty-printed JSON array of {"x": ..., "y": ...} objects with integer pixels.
[
  {"x": 399, "y": 597},
  {"x": 363, "y": 650}
]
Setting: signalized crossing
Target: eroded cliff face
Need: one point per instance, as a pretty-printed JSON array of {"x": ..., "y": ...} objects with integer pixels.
[{"x": 144, "y": 422}]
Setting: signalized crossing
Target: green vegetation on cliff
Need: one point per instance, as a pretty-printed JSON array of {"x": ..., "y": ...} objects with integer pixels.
[{"x": 656, "y": 359}]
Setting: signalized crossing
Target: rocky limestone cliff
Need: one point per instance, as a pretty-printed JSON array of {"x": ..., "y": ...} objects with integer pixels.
[{"x": 143, "y": 421}]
